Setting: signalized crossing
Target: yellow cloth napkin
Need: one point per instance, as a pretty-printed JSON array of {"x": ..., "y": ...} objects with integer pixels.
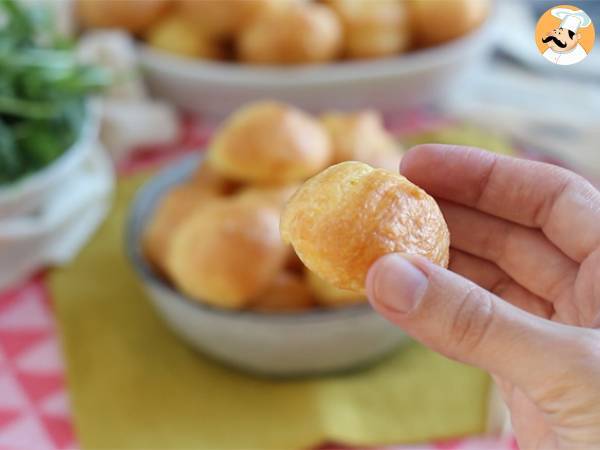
[{"x": 134, "y": 385}]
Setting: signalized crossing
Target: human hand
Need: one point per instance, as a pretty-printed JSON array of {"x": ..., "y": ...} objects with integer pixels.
[{"x": 526, "y": 238}]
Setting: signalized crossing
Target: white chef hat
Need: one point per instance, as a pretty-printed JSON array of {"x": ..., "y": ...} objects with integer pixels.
[{"x": 571, "y": 20}]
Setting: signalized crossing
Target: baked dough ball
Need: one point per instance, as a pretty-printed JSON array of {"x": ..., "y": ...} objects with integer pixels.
[
  {"x": 330, "y": 296},
  {"x": 299, "y": 34},
  {"x": 270, "y": 143},
  {"x": 207, "y": 177},
  {"x": 293, "y": 263},
  {"x": 222, "y": 18},
  {"x": 386, "y": 156},
  {"x": 342, "y": 220},
  {"x": 175, "y": 34},
  {"x": 288, "y": 292},
  {"x": 360, "y": 136},
  {"x": 373, "y": 28},
  {"x": 133, "y": 15},
  {"x": 177, "y": 205},
  {"x": 437, "y": 21},
  {"x": 275, "y": 195},
  {"x": 227, "y": 252}
]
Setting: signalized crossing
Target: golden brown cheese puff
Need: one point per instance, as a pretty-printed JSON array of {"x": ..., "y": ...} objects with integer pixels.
[
  {"x": 227, "y": 252},
  {"x": 360, "y": 136},
  {"x": 177, "y": 204},
  {"x": 373, "y": 28},
  {"x": 207, "y": 177},
  {"x": 222, "y": 18},
  {"x": 437, "y": 21},
  {"x": 293, "y": 263},
  {"x": 275, "y": 195},
  {"x": 288, "y": 292},
  {"x": 386, "y": 156},
  {"x": 343, "y": 219},
  {"x": 132, "y": 15},
  {"x": 299, "y": 34},
  {"x": 270, "y": 143},
  {"x": 176, "y": 34},
  {"x": 328, "y": 295}
]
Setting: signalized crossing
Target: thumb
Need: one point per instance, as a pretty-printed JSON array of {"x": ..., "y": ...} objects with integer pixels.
[{"x": 462, "y": 321}]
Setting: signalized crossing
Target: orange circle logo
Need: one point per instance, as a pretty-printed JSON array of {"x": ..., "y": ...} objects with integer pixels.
[{"x": 564, "y": 35}]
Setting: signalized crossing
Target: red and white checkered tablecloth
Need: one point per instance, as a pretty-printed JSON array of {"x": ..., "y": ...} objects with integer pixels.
[
  {"x": 34, "y": 405},
  {"x": 34, "y": 400}
]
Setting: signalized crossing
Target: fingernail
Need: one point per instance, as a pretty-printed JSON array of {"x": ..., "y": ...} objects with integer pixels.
[{"x": 395, "y": 282}]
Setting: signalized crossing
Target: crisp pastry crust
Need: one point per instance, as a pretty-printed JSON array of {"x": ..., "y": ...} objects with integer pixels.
[
  {"x": 373, "y": 29},
  {"x": 301, "y": 33},
  {"x": 175, "y": 206},
  {"x": 270, "y": 143},
  {"x": 438, "y": 21},
  {"x": 274, "y": 195},
  {"x": 176, "y": 34},
  {"x": 288, "y": 292},
  {"x": 342, "y": 220},
  {"x": 207, "y": 177},
  {"x": 361, "y": 136},
  {"x": 223, "y": 18},
  {"x": 293, "y": 263},
  {"x": 330, "y": 296},
  {"x": 386, "y": 156},
  {"x": 227, "y": 253}
]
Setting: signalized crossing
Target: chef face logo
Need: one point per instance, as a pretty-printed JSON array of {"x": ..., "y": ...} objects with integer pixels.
[
  {"x": 564, "y": 35},
  {"x": 561, "y": 40}
]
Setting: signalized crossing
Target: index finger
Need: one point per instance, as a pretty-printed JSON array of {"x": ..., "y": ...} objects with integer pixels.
[{"x": 562, "y": 204}]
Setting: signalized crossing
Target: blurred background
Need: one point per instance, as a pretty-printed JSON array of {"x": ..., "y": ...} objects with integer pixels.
[{"x": 107, "y": 110}]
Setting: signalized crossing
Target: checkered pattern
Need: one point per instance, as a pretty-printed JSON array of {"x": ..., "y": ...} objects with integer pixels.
[
  {"x": 34, "y": 406},
  {"x": 34, "y": 410}
]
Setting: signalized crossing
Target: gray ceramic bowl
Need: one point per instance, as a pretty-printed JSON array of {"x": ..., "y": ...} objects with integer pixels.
[
  {"x": 284, "y": 344},
  {"x": 418, "y": 78}
]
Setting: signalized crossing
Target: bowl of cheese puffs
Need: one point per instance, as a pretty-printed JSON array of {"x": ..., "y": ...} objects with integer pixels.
[
  {"x": 212, "y": 56},
  {"x": 204, "y": 238}
]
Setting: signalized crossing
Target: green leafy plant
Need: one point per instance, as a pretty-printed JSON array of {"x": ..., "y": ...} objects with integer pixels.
[{"x": 43, "y": 91}]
